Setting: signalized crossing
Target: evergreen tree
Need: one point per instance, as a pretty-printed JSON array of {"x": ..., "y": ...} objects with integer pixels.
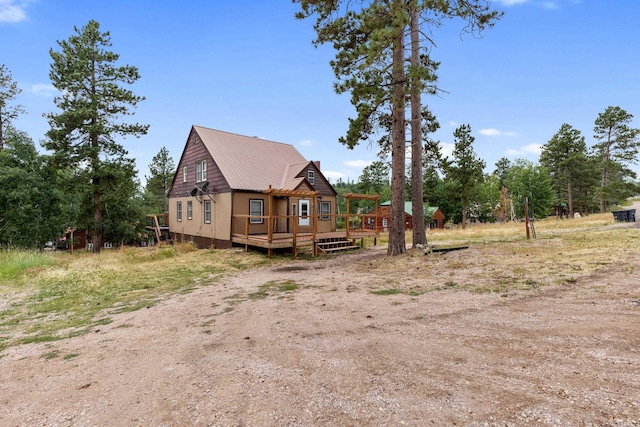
[
  {"x": 465, "y": 169},
  {"x": 29, "y": 204},
  {"x": 93, "y": 99},
  {"x": 162, "y": 169},
  {"x": 8, "y": 91},
  {"x": 617, "y": 148},
  {"x": 374, "y": 178},
  {"x": 502, "y": 170},
  {"x": 371, "y": 64},
  {"x": 123, "y": 218},
  {"x": 533, "y": 182},
  {"x": 565, "y": 156}
]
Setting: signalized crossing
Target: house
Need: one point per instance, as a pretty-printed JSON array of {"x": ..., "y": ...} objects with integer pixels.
[
  {"x": 436, "y": 217},
  {"x": 230, "y": 188},
  {"x": 383, "y": 214}
]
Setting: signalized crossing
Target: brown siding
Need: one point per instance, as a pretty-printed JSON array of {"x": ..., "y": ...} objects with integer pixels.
[
  {"x": 202, "y": 242},
  {"x": 321, "y": 184},
  {"x": 437, "y": 220},
  {"x": 384, "y": 212},
  {"x": 196, "y": 151}
]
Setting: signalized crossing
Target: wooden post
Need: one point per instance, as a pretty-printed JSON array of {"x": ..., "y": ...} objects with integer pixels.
[
  {"x": 526, "y": 215},
  {"x": 295, "y": 234},
  {"x": 270, "y": 220},
  {"x": 315, "y": 225},
  {"x": 347, "y": 216}
]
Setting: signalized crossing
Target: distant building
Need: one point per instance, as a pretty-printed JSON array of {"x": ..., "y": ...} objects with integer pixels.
[{"x": 435, "y": 217}]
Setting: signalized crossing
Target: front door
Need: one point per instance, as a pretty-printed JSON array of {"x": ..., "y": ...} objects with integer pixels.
[{"x": 304, "y": 212}]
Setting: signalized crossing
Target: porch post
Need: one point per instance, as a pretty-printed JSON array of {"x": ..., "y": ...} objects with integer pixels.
[
  {"x": 270, "y": 220},
  {"x": 294, "y": 238},
  {"x": 315, "y": 225}
]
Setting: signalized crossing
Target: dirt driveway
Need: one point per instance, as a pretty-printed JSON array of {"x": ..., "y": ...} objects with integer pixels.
[{"x": 311, "y": 344}]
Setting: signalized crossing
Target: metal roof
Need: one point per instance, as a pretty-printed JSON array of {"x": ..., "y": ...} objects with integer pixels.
[{"x": 251, "y": 163}]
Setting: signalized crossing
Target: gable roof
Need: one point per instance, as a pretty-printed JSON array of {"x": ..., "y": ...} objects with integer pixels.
[{"x": 251, "y": 163}]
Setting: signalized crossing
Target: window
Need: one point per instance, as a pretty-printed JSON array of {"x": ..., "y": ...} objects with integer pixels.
[
  {"x": 189, "y": 210},
  {"x": 207, "y": 211},
  {"x": 179, "y": 211},
  {"x": 256, "y": 209},
  {"x": 184, "y": 174},
  {"x": 201, "y": 171},
  {"x": 311, "y": 177},
  {"x": 325, "y": 209}
]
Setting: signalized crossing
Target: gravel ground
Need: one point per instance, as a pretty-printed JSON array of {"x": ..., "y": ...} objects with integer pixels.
[{"x": 309, "y": 344}]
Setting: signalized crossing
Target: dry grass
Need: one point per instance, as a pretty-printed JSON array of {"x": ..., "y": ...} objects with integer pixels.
[
  {"x": 61, "y": 295},
  {"x": 77, "y": 292},
  {"x": 501, "y": 259}
]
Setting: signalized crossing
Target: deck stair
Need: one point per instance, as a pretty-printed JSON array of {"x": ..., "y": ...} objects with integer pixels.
[{"x": 337, "y": 244}]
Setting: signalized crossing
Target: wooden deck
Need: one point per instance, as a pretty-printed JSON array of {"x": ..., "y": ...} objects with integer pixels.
[{"x": 301, "y": 241}]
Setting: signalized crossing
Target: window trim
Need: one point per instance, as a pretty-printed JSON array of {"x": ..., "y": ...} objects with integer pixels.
[
  {"x": 311, "y": 177},
  {"x": 179, "y": 211},
  {"x": 324, "y": 214},
  {"x": 185, "y": 172},
  {"x": 207, "y": 211},
  {"x": 190, "y": 209},
  {"x": 201, "y": 170},
  {"x": 253, "y": 220}
]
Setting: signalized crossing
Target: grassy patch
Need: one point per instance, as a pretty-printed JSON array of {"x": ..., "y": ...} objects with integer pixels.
[
  {"x": 392, "y": 291},
  {"x": 49, "y": 296},
  {"x": 51, "y": 355},
  {"x": 14, "y": 263},
  {"x": 274, "y": 287}
]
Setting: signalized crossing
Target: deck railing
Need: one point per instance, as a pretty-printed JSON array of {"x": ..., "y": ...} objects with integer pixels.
[{"x": 286, "y": 226}]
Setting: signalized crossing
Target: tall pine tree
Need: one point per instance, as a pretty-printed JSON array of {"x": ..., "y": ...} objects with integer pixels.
[
  {"x": 162, "y": 169},
  {"x": 465, "y": 169},
  {"x": 565, "y": 156},
  {"x": 371, "y": 64},
  {"x": 93, "y": 98},
  {"x": 617, "y": 147}
]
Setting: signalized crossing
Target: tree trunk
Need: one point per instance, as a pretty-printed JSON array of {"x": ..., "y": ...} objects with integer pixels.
[
  {"x": 464, "y": 215},
  {"x": 397, "y": 243},
  {"x": 603, "y": 181},
  {"x": 1, "y": 134},
  {"x": 97, "y": 219},
  {"x": 417, "y": 210},
  {"x": 569, "y": 199},
  {"x": 95, "y": 165}
]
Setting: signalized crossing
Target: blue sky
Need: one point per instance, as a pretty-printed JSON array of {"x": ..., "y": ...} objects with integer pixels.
[{"x": 249, "y": 67}]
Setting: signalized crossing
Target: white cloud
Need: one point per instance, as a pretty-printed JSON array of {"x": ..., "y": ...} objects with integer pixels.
[
  {"x": 446, "y": 149},
  {"x": 44, "y": 89},
  {"x": 453, "y": 124},
  {"x": 306, "y": 143},
  {"x": 497, "y": 132},
  {"x": 550, "y": 5},
  {"x": 333, "y": 175},
  {"x": 511, "y": 2},
  {"x": 12, "y": 11},
  {"x": 532, "y": 148},
  {"x": 489, "y": 132},
  {"x": 357, "y": 163}
]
